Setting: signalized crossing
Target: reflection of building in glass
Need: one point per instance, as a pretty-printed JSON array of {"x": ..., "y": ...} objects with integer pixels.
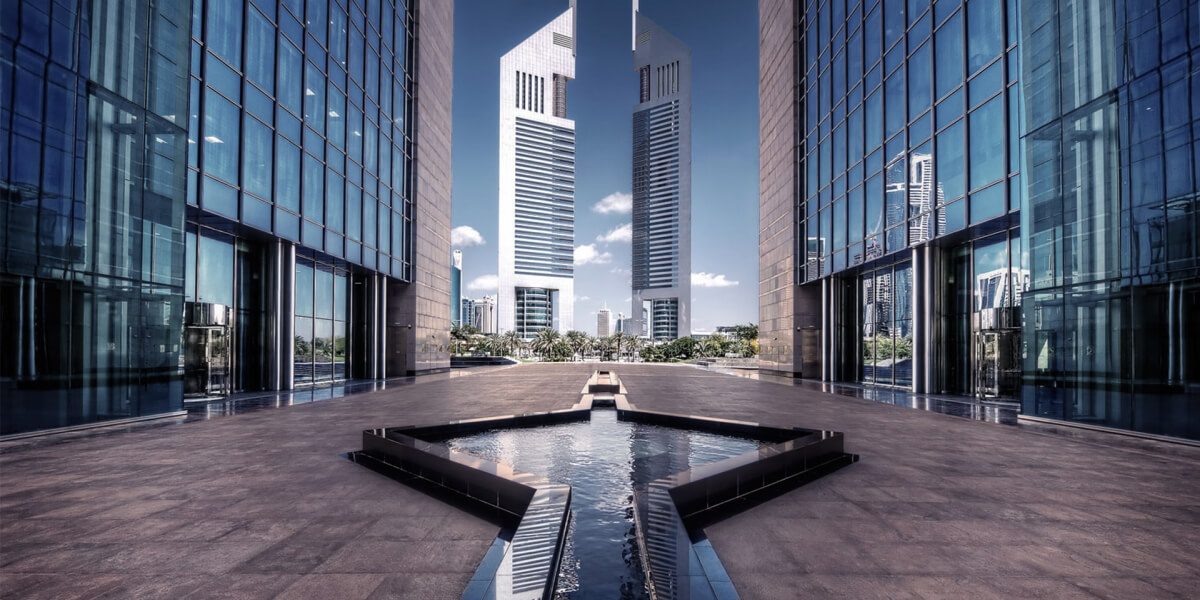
[
  {"x": 889, "y": 176},
  {"x": 537, "y": 180},
  {"x": 228, "y": 206},
  {"x": 1000, "y": 288}
]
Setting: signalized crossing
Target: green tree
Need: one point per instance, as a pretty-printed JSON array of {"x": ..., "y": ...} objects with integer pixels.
[
  {"x": 746, "y": 332},
  {"x": 544, "y": 342},
  {"x": 578, "y": 341},
  {"x": 603, "y": 346},
  {"x": 510, "y": 343}
]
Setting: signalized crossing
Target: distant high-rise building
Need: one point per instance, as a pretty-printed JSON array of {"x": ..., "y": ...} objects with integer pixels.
[
  {"x": 485, "y": 315},
  {"x": 456, "y": 288},
  {"x": 537, "y": 182},
  {"x": 662, "y": 179},
  {"x": 604, "y": 322},
  {"x": 467, "y": 312}
]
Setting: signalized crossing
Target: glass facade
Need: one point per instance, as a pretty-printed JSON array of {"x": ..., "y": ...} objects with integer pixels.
[
  {"x": 300, "y": 131},
  {"x": 535, "y": 311},
  {"x": 1112, "y": 140},
  {"x": 92, "y": 178},
  {"x": 904, "y": 114},
  {"x": 998, "y": 198},
  {"x": 173, "y": 175},
  {"x": 907, "y": 164},
  {"x": 321, "y": 91},
  {"x": 664, "y": 313}
]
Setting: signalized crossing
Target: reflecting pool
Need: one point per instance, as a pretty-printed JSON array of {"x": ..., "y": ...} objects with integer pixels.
[{"x": 603, "y": 460}]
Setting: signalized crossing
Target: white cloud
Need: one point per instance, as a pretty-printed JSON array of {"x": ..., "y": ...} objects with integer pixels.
[
  {"x": 710, "y": 280},
  {"x": 581, "y": 298},
  {"x": 465, "y": 235},
  {"x": 621, "y": 233},
  {"x": 620, "y": 271},
  {"x": 588, "y": 254},
  {"x": 615, "y": 203},
  {"x": 483, "y": 283}
]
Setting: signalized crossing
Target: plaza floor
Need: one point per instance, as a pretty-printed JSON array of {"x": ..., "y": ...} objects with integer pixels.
[{"x": 262, "y": 504}]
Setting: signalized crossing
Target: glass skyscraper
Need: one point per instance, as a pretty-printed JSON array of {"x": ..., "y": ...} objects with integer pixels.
[
  {"x": 661, "y": 250},
  {"x": 959, "y": 205},
  {"x": 206, "y": 199}
]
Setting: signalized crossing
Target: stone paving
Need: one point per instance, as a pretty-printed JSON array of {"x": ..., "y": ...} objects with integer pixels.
[{"x": 262, "y": 505}]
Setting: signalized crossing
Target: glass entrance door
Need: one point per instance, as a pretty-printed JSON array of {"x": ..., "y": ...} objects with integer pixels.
[
  {"x": 886, "y": 326},
  {"x": 206, "y": 351}
]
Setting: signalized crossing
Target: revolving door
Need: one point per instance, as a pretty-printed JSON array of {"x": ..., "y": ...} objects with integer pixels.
[{"x": 207, "y": 336}]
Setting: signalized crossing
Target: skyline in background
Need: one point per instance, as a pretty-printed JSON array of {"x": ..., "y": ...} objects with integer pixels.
[{"x": 600, "y": 100}]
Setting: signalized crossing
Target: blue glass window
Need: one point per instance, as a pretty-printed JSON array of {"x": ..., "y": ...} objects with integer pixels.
[
  {"x": 874, "y": 205},
  {"x": 314, "y": 189},
  {"x": 919, "y": 84},
  {"x": 220, "y": 137},
  {"x": 354, "y": 212},
  {"x": 291, "y": 76},
  {"x": 948, "y": 56},
  {"x": 893, "y": 21},
  {"x": 215, "y": 271},
  {"x": 987, "y": 143},
  {"x": 334, "y": 189},
  {"x": 225, "y": 30},
  {"x": 874, "y": 118},
  {"x": 894, "y": 104},
  {"x": 949, "y": 163},
  {"x": 871, "y": 32},
  {"x": 260, "y": 51},
  {"x": 317, "y": 19},
  {"x": 257, "y": 158},
  {"x": 337, "y": 35},
  {"x": 856, "y": 211},
  {"x": 314, "y": 97},
  {"x": 985, "y": 32},
  {"x": 287, "y": 174},
  {"x": 337, "y": 117}
]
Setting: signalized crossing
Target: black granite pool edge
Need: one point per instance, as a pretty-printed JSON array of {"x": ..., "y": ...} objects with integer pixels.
[{"x": 670, "y": 513}]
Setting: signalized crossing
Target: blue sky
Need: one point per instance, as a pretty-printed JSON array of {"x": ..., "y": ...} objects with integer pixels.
[{"x": 724, "y": 41}]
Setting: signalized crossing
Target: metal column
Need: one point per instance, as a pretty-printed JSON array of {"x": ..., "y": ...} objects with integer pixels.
[{"x": 283, "y": 313}]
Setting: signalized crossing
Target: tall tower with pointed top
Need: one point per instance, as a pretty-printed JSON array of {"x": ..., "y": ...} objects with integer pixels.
[
  {"x": 662, "y": 181},
  {"x": 537, "y": 182}
]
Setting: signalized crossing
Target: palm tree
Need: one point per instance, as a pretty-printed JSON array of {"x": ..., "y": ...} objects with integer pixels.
[
  {"x": 508, "y": 343},
  {"x": 545, "y": 340},
  {"x": 577, "y": 340},
  {"x": 621, "y": 341},
  {"x": 604, "y": 346}
]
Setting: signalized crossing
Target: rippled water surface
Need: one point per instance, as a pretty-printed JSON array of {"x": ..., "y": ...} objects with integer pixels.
[{"x": 603, "y": 460}]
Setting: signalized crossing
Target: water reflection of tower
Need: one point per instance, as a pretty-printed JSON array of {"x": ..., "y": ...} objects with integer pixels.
[{"x": 656, "y": 454}]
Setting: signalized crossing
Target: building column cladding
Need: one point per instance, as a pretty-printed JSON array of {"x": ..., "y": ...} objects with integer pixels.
[
  {"x": 779, "y": 304},
  {"x": 425, "y": 303}
]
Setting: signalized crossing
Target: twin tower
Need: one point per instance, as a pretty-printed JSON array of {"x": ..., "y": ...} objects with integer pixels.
[{"x": 537, "y": 182}]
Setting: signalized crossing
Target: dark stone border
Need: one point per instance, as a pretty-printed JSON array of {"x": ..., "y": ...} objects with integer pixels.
[{"x": 670, "y": 513}]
